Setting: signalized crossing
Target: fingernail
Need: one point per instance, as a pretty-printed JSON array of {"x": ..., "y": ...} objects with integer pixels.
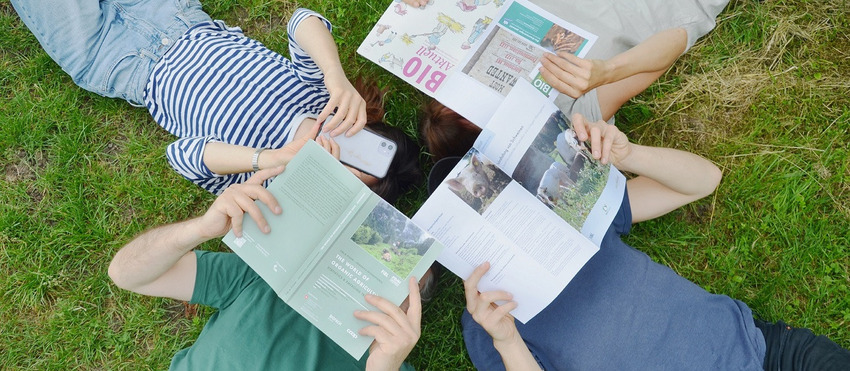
[
  {"x": 266, "y": 229},
  {"x": 278, "y": 210}
]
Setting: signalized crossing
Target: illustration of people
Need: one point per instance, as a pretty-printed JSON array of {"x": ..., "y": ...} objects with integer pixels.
[
  {"x": 386, "y": 40},
  {"x": 400, "y": 7},
  {"x": 470, "y": 5},
  {"x": 380, "y": 28},
  {"x": 392, "y": 60},
  {"x": 444, "y": 24},
  {"x": 477, "y": 30}
]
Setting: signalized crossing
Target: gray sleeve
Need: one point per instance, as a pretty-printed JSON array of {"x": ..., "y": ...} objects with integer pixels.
[{"x": 587, "y": 105}]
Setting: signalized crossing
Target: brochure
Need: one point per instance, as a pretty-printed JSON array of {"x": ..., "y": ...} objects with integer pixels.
[
  {"x": 335, "y": 241},
  {"x": 529, "y": 199},
  {"x": 470, "y": 56}
]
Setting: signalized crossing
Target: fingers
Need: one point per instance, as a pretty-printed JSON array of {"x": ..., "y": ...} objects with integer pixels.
[
  {"x": 580, "y": 126},
  {"x": 559, "y": 79},
  {"x": 391, "y": 318},
  {"x": 603, "y": 136},
  {"x": 414, "y": 311},
  {"x": 242, "y": 201},
  {"x": 263, "y": 175},
  {"x": 314, "y": 131},
  {"x": 566, "y": 73},
  {"x": 360, "y": 123},
  {"x": 329, "y": 144},
  {"x": 607, "y": 142},
  {"x": 470, "y": 285},
  {"x": 350, "y": 114}
]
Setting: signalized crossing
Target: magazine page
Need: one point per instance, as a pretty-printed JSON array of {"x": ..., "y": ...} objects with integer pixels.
[
  {"x": 374, "y": 254},
  {"x": 509, "y": 52},
  {"x": 480, "y": 214},
  {"x": 532, "y": 140},
  {"x": 335, "y": 242},
  {"x": 423, "y": 46},
  {"x": 315, "y": 199}
]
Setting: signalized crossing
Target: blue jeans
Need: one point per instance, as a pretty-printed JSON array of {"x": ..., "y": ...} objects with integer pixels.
[{"x": 109, "y": 47}]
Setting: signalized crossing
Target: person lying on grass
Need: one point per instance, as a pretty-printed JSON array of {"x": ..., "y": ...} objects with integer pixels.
[
  {"x": 638, "y": 40},
  {"x": 623, "y": 311},
  {"x": 233, "y": 102},
  {"x": 253, "y": 329}
]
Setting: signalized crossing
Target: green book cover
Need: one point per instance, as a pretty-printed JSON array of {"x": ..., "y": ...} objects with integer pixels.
[{"x": 334, "y": 242}]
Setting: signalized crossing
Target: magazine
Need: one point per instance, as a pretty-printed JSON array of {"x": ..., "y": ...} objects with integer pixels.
[
  {"x": 335, "y": 241},
  {"x": 469, "y": 54},
  {"x": 528, "y": 198}
]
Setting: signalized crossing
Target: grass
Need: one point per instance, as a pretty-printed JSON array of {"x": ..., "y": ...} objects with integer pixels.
[{"x": 764, "y": 96}]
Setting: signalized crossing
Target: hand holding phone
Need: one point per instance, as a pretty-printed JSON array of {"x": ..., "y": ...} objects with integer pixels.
[{"x": 366, "y": 151}]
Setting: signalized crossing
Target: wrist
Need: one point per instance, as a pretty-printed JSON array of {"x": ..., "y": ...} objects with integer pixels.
[
  {"x": 510, "y": 342},
  {"x": 270, "y": 158},
  {"x": 628, "y": 161},
  {"x": 196, "y": 233},
  {"x": 609, "y": 71}
]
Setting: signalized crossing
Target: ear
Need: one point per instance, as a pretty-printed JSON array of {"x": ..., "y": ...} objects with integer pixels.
[
  {"x": 455, "y": 185},
  {"x": 474, "y": 161}
]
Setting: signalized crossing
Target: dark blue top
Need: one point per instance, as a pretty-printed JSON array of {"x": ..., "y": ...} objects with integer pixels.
[{"x": 623, "y": 311}]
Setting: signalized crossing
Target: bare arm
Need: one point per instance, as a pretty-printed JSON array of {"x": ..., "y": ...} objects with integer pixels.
[
  {"x": 160, "y": 262},
  {"x": 224, "y": 158},
  {"x": 318, "y": 42},
  {"x": 667, "y": 178},
  {"x": 575, "y": 76},
  {"x": 498, "y": 322}
]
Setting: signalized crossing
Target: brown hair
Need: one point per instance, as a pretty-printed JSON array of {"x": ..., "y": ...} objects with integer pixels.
[
  {"x": 445, "y": 132},
  {"x": 404, "y": 172}
]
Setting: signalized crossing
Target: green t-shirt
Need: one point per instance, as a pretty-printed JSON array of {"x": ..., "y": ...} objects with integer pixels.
[{"x": 253, "y": 328}]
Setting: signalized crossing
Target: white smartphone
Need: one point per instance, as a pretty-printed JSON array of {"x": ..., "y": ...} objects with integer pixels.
[{"x": 366, "y": 151}]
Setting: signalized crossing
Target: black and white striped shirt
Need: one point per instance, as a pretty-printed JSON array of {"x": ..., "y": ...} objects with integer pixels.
[{"x": 216, "y": 84}]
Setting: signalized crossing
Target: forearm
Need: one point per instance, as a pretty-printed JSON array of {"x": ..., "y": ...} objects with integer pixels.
[
  {"x": 657, "y": 53},
  {"x": 318, "y": 42},
  {"x": 681, "y": 171},
  {"x": 515, "y": 355},
  {"x": 223, "y": 158},
  {"x": 667, "y": 179},
  {"x": 150, "y": 256}
]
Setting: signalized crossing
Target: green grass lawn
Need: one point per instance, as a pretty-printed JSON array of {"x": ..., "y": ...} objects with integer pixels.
[{"x": 764, "y": 96}]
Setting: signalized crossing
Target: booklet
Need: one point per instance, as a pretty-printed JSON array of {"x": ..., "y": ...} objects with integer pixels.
[
  {"x": 469, "y": 54},
  {"x": 528, "y": 198},
  {"x": 335, "y": 241}
]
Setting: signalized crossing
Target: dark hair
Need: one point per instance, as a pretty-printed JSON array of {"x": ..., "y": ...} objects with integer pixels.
[
  {"x": 445, "y": 132},
  {"x": 404, "y": 172}
]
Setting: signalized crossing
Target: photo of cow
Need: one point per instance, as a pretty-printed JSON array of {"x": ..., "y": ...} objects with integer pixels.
[
  {"x": 392, "y": 239},
  {"x": 479, "y": 182},
  {"x": 558, "y": 169}
]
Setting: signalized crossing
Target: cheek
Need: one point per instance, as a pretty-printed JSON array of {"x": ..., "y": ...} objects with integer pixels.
[{"x": 368, "y": 179}]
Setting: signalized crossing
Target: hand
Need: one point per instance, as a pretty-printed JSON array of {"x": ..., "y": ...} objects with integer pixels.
[
  {"x": 280, "y": 157},
  {"x": 607, "y": 143},
  {"x": 495, "y": 319},
  {"x": 229, "y": 208},
  {"x": 572, "y": 75},
  {"x": 395, "y": 331},
  {"x": 350, "y": 107}
]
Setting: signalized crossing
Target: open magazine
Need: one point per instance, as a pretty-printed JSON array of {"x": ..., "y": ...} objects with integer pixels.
[
  {"x": 469, "y": 54},
  {"x": 529, "y": 199},
  {"x": 335, "y": 241}
]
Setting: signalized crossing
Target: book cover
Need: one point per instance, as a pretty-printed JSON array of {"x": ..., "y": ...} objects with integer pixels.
[{"x": 335, "y": 242}]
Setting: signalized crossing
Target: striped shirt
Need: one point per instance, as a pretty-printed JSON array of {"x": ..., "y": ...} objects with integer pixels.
[{"x": 216, "y": 84}]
